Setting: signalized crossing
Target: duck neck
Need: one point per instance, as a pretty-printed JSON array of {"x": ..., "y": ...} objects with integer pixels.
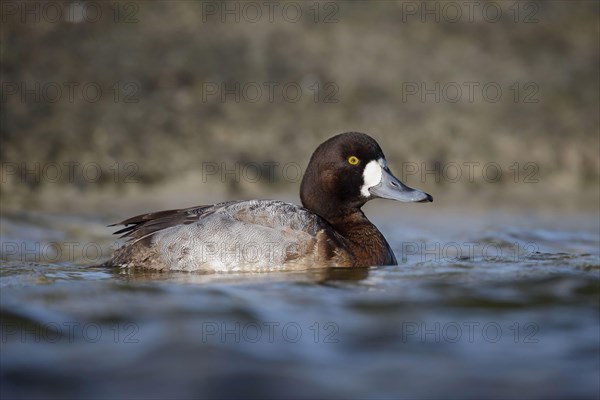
[
  {"x": 352, "y": 224},
  {"x": 355, "y": 227}
]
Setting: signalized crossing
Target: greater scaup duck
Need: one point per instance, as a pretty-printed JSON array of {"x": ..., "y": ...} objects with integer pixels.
[{"x": 330, "y": 230}]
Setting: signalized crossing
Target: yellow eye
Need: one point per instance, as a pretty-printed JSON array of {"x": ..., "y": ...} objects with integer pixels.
[{"x": 352, "y": 160}]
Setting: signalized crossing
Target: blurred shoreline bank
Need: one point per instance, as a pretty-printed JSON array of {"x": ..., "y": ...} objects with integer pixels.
[{"x": 190, "y": 190}]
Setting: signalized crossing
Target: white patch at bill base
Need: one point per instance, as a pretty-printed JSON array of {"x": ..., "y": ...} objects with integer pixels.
[{"x": 371, "y": 177}]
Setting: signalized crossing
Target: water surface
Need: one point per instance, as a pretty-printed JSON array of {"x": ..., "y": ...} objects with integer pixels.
[{"x": 482, "y": 305}]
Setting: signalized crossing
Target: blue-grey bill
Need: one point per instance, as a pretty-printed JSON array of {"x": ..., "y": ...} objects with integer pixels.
[{"x": 390, "y": 187}]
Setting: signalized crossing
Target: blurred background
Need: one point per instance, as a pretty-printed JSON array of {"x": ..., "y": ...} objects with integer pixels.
[{"x": 118, "y": 103}]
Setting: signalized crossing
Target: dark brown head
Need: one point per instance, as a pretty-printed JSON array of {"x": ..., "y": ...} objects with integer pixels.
[{"x": 345, "y": 172}]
